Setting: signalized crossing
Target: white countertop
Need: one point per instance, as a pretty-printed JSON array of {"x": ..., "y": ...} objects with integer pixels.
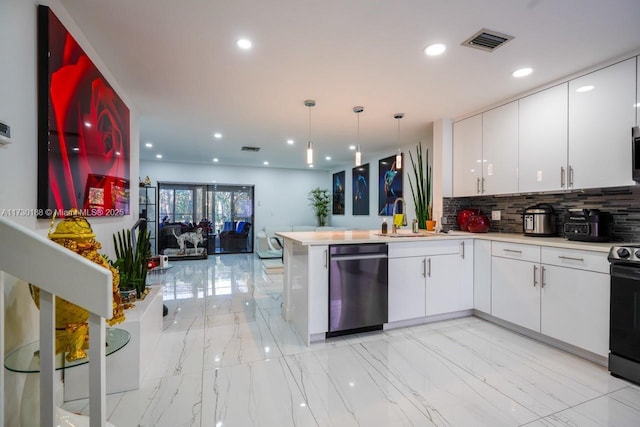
[{"x": 313, "y": 238}]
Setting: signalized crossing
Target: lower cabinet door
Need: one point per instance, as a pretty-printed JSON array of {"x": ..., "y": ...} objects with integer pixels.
[
  {"x": 575, "y": 307},
  {"x": 515, "y": 292},
  {"x": 444, "y": 275},
  {"x": 406, "y": 288}
]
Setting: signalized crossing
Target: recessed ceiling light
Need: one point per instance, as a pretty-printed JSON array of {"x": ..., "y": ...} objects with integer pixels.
[
  {"x": 290, "y": 141},
  {"x": 158, "y": 156},
  {"x": 522, "y": 72},
  {"x": 585, "y": 88},
  {"x": 148, "y": 145},
  {"x": 352, "y": 147},
  {"x": 215, "y": 159},
  {"x": 217, "y": 135},
  {"x": 244, "y": 44},
  {"x": 435, "y": 49},
  {"x": 328, "y": 158},
  {"x": 265, "y": 163}
]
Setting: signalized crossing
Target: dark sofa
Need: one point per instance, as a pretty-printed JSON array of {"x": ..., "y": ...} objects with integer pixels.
[{"x": 235, "y": 240}]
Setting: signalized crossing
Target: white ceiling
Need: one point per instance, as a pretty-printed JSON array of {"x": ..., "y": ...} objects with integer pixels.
[{"x": 180, "y": 67}]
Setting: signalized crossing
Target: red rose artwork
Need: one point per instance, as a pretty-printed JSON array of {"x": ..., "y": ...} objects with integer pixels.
[{"x": 83, "y": 157}]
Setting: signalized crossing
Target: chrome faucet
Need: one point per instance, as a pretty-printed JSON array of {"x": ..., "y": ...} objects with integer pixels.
[{"x": 394, "y": 227}]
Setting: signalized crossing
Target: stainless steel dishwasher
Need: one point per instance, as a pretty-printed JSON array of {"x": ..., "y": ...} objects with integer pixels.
[{"x": 358, "y": 289}]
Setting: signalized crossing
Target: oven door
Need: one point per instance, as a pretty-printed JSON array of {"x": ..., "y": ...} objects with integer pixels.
[{"x": 624, "y": 337}]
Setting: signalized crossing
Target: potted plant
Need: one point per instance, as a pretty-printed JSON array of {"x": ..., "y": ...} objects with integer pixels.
[
  {"x": 132, "y": 261},
  {"x": 320, "y": 200},
  {"x": 421, "y": 188}
]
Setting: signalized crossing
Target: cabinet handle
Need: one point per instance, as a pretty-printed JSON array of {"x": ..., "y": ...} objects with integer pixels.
[
  {"x": 570, "y": 176},
  {"x": 326, "y": 258},
  {"x": 462, "y": 249},
  {"x": 424, "y": 267},
  {"x": 513, "y": 250},
  {"x": 477, "y": 185},
  {"x": 535, "y": 270},
  {"x": 542, "y": 276},
  {"x": 571, "y": 258},
  {"x": 561, "y": 176},
  {"x": 429, "y": 269},
  {"x": 482, "y": 186}
]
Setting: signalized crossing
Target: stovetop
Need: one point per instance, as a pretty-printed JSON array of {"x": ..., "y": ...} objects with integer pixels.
[{"x": 624, "y": 253}]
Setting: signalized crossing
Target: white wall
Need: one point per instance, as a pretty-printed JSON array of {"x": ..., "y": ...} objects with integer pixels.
[
  {"x": 280, "y": 194},
  {"x": 18, "y": 178}
]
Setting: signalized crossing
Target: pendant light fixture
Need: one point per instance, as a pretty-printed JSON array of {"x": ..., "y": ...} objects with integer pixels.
[
  {"x": 398, "y": 116},
  {"x": 309, "y": 103},
  {"x": 358, "y": 109}
]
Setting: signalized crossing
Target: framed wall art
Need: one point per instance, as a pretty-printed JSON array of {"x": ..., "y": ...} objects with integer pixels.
[
  {"x": 360, "y": 175},
  {"x": 389, "y": 186},
  {"x": 83, "y": 130},
  {"x": 338, "y": 193}
]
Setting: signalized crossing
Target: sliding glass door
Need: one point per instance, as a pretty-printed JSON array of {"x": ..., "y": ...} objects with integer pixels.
[{"x": 224, "y": 211}]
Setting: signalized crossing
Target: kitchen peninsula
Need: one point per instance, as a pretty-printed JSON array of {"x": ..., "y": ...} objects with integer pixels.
[
  {"x": 527, "y": 284},
  {"x": 306, "y": 277}
]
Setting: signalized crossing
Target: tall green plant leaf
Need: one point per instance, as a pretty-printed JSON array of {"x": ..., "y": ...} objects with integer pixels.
[{"x": 421, "y": 185}]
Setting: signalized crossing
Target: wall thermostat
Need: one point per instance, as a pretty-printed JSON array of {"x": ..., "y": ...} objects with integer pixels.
[{"x": 5, "y": 133}]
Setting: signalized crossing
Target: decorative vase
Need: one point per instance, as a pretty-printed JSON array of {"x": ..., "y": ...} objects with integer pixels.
[
  {"x": 431, "y": 225},
  {"x": 478, "y": 224},
  {"x": 463, "y": 217},
  {"x": 128, "y": 295}
]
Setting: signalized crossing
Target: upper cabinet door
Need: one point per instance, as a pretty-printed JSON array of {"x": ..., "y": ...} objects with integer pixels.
[
  {"x": 467, "y": 156},
  {"x": 601, "y": 115},
  {"x": 500, "y": 149},
  {"x": 543, "y": 140}
]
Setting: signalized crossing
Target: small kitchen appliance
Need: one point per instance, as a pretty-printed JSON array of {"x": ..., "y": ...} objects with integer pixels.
[
  {"x": 588, "y": 225},
  {"x": 539, "y": 220}
]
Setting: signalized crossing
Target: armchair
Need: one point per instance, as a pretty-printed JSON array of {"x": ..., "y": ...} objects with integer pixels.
[{"x": 235, "y": 240}]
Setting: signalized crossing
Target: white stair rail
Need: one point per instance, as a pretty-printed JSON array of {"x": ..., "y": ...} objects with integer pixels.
[{"x": 58, "y": 271}]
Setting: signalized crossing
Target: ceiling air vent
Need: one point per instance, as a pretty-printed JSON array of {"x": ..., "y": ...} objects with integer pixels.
[
  {"x": 245, "y": 148},
  {"x": 487, "y": 40}
]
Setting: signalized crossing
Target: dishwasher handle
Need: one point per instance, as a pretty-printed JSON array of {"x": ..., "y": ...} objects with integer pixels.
[{"x": 357, "y": 257}]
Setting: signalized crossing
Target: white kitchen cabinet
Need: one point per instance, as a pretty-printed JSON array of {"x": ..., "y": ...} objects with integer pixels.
[
  {"x": 515, "y": 292},
  {"x": 318, "y": 289},
  {"x": 575, "y": 298},
  {"x": 543, "y": 123},
  {"x": 575, "y": 307},
  {"x": 601, "y": 115},
  {"x": 407, "y": 288},
  {"x": 482, "y": 275},
  {"x": 561, "y": 293},
  {"x": 467, "y": 156},
  {"x": 449, "y": 283},
  {"x": 439, "y": 280},
  {"x": 500, "y": 150}
]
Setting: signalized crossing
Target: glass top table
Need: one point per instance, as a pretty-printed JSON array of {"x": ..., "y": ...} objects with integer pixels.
[{"x": 20, "y": 360}]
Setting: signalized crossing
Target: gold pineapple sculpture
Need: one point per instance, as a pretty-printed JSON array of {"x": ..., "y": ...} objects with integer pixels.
[{"x": 72, "y": 329}]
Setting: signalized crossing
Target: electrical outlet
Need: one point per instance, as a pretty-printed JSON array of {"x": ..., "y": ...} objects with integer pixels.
[
  {"x": 443, "y": 220},
  {"x": 495, "y": 215}
]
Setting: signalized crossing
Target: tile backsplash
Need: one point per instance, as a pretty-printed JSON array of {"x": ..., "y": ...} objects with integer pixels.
[{"x": 621, "y": 202}]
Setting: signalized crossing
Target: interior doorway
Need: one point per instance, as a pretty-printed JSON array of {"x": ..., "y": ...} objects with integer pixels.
[{"x": 223, "y": 213}]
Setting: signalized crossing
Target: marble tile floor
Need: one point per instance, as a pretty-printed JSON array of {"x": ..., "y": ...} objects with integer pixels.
[{"x": 226, "y": 358}]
